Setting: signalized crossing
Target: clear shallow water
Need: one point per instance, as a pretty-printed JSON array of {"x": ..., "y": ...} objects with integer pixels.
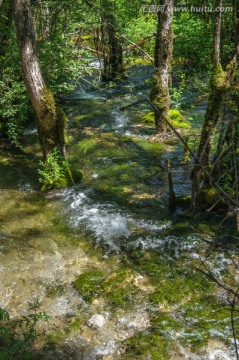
[
  {"x": 109, "y": 224},
  {"x": 39, "y": 263},
  {"x": 45, "y": 244}
]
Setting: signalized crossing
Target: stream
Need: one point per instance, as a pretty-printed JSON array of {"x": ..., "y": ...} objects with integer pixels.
[{"x": 113, "y": 268}]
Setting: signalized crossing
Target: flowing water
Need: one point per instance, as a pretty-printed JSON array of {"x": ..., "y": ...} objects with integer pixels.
[{"x": 138, "y": 293}]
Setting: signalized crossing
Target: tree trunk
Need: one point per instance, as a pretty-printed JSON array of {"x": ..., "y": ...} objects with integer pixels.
[
  {"x": 218, "y": 88},
  {"x": 235, "y": 20},
  {"x": 115, "y": 49},
  {"x": 50, "y": 119},
  {"x": 171, "y": 193},
  {"x": 220, "y": 83},
  {"x": 113, "y": 62},
  {"x": 160, "y": 96}
]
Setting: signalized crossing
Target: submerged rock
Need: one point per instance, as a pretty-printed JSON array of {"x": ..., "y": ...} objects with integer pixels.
[{"x": 97, "y": 321}]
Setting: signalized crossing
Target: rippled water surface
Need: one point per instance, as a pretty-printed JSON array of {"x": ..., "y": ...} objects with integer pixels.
[{"x": 150, "y": 302}]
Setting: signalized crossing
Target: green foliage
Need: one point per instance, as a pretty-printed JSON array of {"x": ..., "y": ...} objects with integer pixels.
[
  {"x": 139, "y": 28},
  {"x": 18, "y": 336},
  {"x": 54, "y": 173},
  {"x": 4, "y": 314},
  {"x": 15, "y": 109},
  {"x": 177, "y": 96},
  {"x": 191, "y": 51},
  {"x": 62, "y": 74}
]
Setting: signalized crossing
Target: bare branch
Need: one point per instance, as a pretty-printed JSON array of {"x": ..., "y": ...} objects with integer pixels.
[
  {"x": 138, "y": 47},
  {"x": 223, "y": 286}
]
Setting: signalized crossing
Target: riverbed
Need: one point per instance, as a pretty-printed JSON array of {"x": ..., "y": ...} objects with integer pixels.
[{"x": 114, "y": 268}]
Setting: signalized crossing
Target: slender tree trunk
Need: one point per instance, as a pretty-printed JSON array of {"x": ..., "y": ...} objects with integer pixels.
[
  {"x": 115, "y": 49},
  {"x": 171, "y": 193},
  {"x": 235, "y": 19},
  {"x": 50, "y": 118},
  {"x": 160, "y": 96},
  {"x": 113, "y": 61},
  {"x": 220, "y": 82},
  {"x": 213, "y": 110}
]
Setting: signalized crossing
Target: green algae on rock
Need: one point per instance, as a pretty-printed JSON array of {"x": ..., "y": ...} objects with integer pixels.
[{"x": 89, "y": 284}]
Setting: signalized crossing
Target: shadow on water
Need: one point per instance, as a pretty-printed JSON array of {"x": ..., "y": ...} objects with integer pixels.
[{"x": 18, "y": 169}]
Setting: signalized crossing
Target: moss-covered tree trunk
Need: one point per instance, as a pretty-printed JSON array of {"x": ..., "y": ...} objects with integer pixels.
[
  {"x": 50, "y": 118},
  {"x": 115, "y": 50},
  {"x": 160, "y": 96},
  {"x": 113, "y": 61},
  {"x": 217, "y": 91}
]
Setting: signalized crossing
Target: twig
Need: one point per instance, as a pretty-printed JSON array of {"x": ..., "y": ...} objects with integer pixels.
[
  {"x": 211, "y": 276},
  {"x": 138, "y": 47},
  {"x": 224, "y": 219},
  {"x": 134, "y": 103},
  {"x": 213, "y": 206}
]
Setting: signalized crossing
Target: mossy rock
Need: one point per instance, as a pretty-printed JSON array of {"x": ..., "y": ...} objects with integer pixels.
[
  {"x": 175, "y": 117},
  {"x": 148, "y": 345},
  {"x": 202, "y": 319},
  {"x": 178, "y": 229},
  {"x": 207, "y": 198},
  {"x": 55, "y": 339},
  {"x": 175, "y": 114},
  {"x": 89, "y": 284},
  {"x": 118, "y": 290},
  {"x": 170, "y": 292},
  {"x": 208, "y": 228}
]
